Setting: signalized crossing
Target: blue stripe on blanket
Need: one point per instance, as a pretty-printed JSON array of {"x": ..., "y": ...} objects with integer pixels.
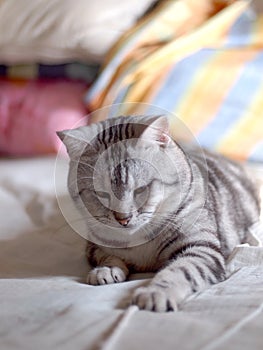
[
  {"x": 239, "y": 32},
  {"x": 239, "y": 98},
  {"x": 179, "y": 79},
  {"x": 257, "y": 153}
]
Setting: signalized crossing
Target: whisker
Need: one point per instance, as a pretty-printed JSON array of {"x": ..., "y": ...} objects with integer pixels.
[
  {"x": 86, "y": 177},
  {"x": 84, "y": 163}
]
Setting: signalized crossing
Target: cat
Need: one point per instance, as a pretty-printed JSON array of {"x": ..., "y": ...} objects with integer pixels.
[{"x": 151, "y": 205}]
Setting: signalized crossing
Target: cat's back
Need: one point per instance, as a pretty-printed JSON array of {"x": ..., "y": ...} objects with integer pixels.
[{"x": 232, "y": 197}]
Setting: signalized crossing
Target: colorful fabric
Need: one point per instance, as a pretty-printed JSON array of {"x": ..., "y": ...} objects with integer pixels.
[
  {"x": 201, "y": 61},
  {"x": 32, "y": 111},
  {"x": 73, "y": 71}
]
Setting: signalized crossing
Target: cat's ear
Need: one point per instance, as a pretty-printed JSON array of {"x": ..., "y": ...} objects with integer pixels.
[
  {"x": 75, "y": 142},
  {"x": 157, "y": 130}
]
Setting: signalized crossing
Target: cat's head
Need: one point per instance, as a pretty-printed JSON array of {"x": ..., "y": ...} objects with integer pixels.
[{"x": 126, "y": 171}]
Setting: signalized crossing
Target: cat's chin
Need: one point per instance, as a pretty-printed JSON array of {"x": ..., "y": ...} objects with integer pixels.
[
  {"x": 131, "y": 227},
  {"x": 115, "y": 226},
  {"x": 127, "y": 230}
]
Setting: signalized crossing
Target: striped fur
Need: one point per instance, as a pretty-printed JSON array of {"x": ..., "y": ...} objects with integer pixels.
[{"x": 206, "y": 207}]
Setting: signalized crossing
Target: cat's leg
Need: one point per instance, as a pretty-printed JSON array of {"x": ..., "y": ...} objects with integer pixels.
[
  {"x": 192, "y": 270},
  {"x": 106, "y": 268}
]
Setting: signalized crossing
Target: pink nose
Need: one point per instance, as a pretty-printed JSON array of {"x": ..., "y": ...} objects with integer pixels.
[{"x": 122, "y": 220}]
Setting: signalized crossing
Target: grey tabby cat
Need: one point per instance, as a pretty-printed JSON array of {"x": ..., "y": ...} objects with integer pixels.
[{"x": 185, "y": 210}]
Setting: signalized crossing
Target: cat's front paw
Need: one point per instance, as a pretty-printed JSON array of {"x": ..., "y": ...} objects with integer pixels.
[
  {"x": 154, "y": 299},
  {"x": 105, "y": 275}
]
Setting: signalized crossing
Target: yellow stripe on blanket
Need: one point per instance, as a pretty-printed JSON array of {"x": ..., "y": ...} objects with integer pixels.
[
  {"x": 210, "y": 87},
  {"x": 242, "y": 138},
  {"x": 257, "y": 32}
]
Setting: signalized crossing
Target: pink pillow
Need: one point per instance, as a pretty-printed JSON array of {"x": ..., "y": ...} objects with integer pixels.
[{"x": 32, "y": 111}]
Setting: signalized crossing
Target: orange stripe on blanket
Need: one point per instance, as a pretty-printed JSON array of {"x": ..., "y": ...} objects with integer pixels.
[
  {"x": 210, "y": 87},
  {"x": 245, "y": 135}
]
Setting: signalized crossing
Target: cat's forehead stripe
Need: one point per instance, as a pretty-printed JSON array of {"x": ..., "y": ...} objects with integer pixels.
[
  {"x": 109, "y": 134},
  {"x": 120, "y": 132},
  {"x": 127, "y": 130},
  {"x": 121, "y": 174}
]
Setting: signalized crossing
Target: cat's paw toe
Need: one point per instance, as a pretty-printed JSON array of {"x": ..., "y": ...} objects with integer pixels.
[
  {"x": 105, "y": 275},
  {"x": 154, "y": 299}
]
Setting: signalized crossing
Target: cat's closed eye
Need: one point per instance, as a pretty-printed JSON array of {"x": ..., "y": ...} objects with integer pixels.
[
  {"x": 82, "y": 191},
  {"x": 102, "y": 194},
  {"x": 140, "y": 190}
]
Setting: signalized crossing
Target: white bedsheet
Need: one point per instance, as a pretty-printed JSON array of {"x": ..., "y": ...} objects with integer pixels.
[{"x": 44, "y": 303}]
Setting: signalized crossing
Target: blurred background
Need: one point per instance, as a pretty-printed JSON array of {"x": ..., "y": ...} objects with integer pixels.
[{"x": 199, "y": 60}]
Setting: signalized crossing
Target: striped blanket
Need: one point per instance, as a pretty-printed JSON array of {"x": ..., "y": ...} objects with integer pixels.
[{"x": 199, "y": 60}]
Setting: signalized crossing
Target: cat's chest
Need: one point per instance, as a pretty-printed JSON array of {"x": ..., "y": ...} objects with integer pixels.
[{"x": 139, "y": 258}]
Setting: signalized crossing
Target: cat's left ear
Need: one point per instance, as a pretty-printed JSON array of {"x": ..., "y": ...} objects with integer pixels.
[
  {"x": 157, "y": 130},
  {"x": 75, "y": 142}
]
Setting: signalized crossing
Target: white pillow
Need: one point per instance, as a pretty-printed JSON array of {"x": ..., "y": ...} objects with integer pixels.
[{"x": 50, "y": 31}]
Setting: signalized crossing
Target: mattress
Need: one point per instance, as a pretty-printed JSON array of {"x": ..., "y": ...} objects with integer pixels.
[{"x": 45, "y": 303}]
